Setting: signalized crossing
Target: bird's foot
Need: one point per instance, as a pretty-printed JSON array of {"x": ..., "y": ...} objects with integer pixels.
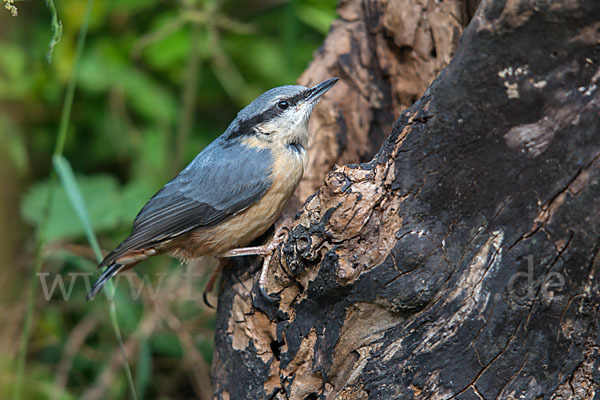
[
  {"x": 259, "y": 250},
  {"x": 264, "y": 250},
  {"x": 262, "y": 279}
]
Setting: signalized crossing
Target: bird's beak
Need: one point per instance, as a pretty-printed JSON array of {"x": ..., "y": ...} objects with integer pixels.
[{"x": 319, "y": 90}]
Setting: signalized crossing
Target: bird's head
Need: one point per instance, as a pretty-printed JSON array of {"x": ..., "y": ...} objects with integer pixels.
[{"x": 279, "y": 116}]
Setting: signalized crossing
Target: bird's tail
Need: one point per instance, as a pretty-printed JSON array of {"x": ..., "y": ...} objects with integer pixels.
[{"x": 111, "y": 271}]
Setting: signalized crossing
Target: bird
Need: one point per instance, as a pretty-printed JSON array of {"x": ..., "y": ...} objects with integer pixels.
[{"x": 233, "y": 190}]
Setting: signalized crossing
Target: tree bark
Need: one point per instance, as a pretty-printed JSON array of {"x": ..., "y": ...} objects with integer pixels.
[{"x": 461, "y": 261}]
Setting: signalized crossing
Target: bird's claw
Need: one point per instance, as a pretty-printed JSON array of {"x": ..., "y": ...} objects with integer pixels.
[
  {"x": 211, "y": 282},
  {"x": 267, "y": 296},
  {"x": 280, "y": 233},
  {"x": 265, "y": 250},
  {"x": 262, "y": 279},
  {"x": 205, "y": 299}
]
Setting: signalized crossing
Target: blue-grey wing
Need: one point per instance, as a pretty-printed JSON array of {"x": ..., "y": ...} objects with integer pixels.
[{"x": 220, "y": 182}]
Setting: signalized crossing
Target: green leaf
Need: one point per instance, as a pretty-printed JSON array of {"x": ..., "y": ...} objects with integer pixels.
[
  {"x": 15, "y": 77},
  {"x": 171, "y": 51},
  {"x": 167, "y": 344},
  {"x": 133, "y": 197},
  {"x": 154, "y": 156},
  {"x": 12, "y": 143},
  {"x": 316, "y": 17},
  {"x": 262, "y": 56},
  {"x": 148, "y": 97},
  {"x": 103, "y": 70},
  {"x": 67, "y": 178},
  {"x": 131, "y": 6},
  {"x": 101, "y": 194}
]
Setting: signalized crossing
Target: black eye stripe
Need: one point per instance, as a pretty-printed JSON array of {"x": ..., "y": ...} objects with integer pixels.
[{"x": 245, "y": 127}]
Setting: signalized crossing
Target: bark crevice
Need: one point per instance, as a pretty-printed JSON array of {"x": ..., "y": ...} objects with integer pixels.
[{"x": 459, "y": 261}]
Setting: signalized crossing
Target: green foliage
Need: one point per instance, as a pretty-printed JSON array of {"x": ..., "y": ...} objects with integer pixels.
[
  {"x": 67, "y": 179},
  {"x": 124, "y": 129},
  {"x": 317, "y": 14},
  {"x": 12, "y": 144},
  {"x": 71, "y": 189},
  {"x": 108, "y": 204},
  {"x": 15, "y": 83},
  {"x": 102, "y": 72},
  {"x": 166, "y": 344}
]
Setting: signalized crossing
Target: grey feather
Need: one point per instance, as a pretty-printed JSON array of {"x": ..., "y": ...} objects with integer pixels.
[
  {"x": 270, "y": 98},
  {"x": 224, "y": 179},
  {"x": 263, "y": 109},
  {"x": 227, "y": 177},
  {"x": 217, "y": 184}
]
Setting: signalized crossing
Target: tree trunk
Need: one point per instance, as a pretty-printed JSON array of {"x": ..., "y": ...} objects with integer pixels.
[{"x": 461, "y": 261}]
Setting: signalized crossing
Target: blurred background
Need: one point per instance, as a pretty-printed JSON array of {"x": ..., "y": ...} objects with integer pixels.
[{"x": 157, "y": 81}]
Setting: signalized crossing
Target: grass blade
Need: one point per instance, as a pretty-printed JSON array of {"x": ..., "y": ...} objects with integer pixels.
[
  {"x": 65, "y": 173},
  {"x": 41, "y": 229},
  {"x": 67, "y": 179},
  {"x": 57, "y": 29},
  {"x": 144, "y": 367}
]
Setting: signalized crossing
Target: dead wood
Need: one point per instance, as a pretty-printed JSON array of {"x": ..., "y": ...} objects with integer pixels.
[{"x": 461, "y": 260}]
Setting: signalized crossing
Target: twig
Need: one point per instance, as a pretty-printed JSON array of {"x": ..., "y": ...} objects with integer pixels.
[
  {"x": 155, "y": 36},
  {"x": 194, "y": 359},
  {"x": 74, "y": 343},
  {"x": 98, "y": 390}
]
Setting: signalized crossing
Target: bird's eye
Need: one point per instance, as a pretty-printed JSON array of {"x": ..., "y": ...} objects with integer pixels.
[{"x": 283, "y": 104}]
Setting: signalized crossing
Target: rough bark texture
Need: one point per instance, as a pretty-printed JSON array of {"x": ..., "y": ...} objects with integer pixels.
[
  {"x": 462, "y": 261},
  {"x": 386, "y": 54}
]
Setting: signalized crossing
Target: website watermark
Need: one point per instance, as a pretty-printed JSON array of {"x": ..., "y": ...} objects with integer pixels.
[
  {"x": 526, "y": 286},
  {"x": 523, "y": 286},
  {"x": 55, "y": 286}
]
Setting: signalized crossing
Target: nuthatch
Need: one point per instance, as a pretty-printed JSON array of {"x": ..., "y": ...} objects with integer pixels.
[{"x": 232, "y": 192}]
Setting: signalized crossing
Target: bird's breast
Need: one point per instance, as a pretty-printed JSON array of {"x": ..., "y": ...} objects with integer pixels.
[{"x": 247, "y": 225}]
